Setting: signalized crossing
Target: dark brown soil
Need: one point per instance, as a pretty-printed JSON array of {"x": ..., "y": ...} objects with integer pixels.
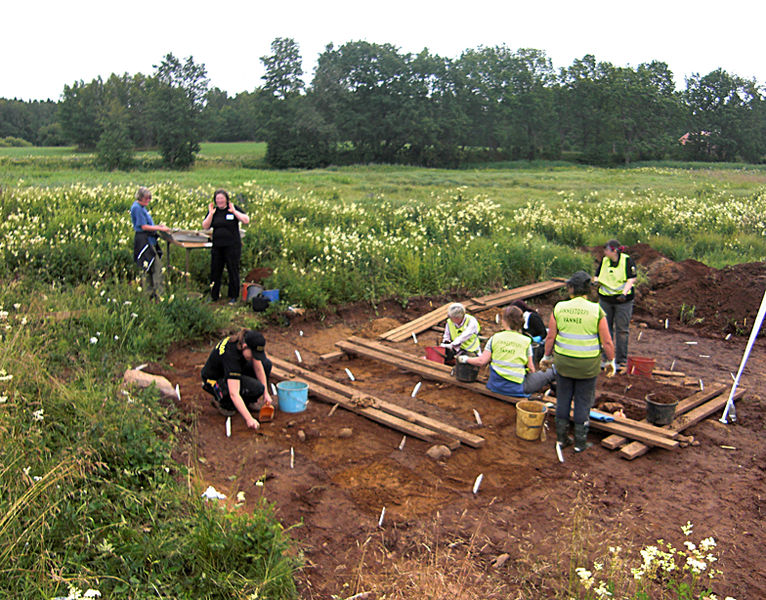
[{"x": 515, "y": 538}]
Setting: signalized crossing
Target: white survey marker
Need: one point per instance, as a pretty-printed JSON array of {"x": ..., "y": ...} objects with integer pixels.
[{"x": 477, "y": 483}]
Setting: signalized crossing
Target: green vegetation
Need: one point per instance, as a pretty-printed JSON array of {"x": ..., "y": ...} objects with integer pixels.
[{"x": 89, "y": 493}]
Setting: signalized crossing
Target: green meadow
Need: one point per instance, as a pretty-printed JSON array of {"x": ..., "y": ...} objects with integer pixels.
[{"x": 90, "y": 497}]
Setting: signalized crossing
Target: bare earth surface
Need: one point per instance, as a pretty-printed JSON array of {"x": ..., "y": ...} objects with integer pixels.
[{"x": 515, "y": 538}]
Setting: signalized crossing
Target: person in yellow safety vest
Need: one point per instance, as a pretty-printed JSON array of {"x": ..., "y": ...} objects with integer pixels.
[
  {"x": 509, "y": 354},
  {"x": 461, "y": 333},
  {"x": 616, "y": 279},
  {"x": 577, "y": 333}
]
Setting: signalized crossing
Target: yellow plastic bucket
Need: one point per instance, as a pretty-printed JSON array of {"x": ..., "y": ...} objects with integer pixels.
[{"x": 530, "y": 416}]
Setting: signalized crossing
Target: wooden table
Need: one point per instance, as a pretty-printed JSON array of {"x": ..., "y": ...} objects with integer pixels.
[{"x": 188, "y": 240}]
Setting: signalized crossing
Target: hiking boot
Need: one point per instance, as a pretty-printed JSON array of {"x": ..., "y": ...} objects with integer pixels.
[
  {"x": 223, "y": 411},
  {"x": 233, "y": 302},
  {"x": 581, "y": 437},
  {"x": 562, "y": 433}
]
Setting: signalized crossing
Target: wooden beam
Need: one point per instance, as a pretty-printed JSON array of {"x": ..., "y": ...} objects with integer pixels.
[
  {"x": 332, "y": 357},
  {"x": 349, "y": 393}
]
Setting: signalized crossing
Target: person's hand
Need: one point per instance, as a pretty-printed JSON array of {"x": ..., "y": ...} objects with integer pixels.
[
  {"x": 211, "y": 207},
  {"x": 445, "y": 345},
  {"x": 462, "y": 359},
  {"x": 164, "y": 228},
  {"x": 231, "y": 208},
  {"x": 252, "y": 423},
  {"x": 267, "y": 399},
  {"x": 610, "y": 369},
  {"x": 546, "y": 363}
]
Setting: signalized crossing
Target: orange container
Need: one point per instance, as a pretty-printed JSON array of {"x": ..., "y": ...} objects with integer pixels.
[
  {"x": 640, "y": 365},
  {"x": 436, "y": 354}
]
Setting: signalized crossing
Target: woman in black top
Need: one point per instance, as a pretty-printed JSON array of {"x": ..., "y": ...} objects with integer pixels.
[
  {"x": 224, "y": 218},
  {"x": 534, "y": 327}
]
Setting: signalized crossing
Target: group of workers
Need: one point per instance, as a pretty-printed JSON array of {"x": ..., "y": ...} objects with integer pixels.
[
  {"x": 576, "y": 346},
  {"x": 523, "y": 357},
  {"x": 223, "y": 217}
]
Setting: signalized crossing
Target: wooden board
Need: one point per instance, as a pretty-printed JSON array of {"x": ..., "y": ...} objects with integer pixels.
[
  {"x": 424, "y": 322},
  {"x": 332, "y": 357},
  {"x": 348, "y": 393}
]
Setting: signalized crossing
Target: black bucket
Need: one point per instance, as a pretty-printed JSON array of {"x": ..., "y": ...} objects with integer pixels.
[
  {"x": 660, "y": 413},
  {"x": 466, "y": 373}
]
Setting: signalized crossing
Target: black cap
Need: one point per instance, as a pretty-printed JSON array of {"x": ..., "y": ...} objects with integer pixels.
[
  {"x": 579, "y": 280},
  {"x": 256, "y": 342}
]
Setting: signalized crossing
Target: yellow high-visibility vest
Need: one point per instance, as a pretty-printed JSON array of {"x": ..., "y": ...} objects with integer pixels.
[
  {"x": 577, "y": 325},
  {"x": 510, "y": 353},
  {"x": 472, "y": 343},
  {"x": 612, "y": 279}
]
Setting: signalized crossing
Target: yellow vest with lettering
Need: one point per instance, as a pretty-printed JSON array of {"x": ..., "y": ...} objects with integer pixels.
[
  {"x": 510, "y": 352},
  {"x": 577, "y": 325},
  {"x": 612, "y": 279}
]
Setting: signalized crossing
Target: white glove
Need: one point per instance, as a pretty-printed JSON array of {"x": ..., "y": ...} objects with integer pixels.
[
  {"x": 611, "y": 368},
  {"x": 546, "y": 363},
  {"x": 462, "y": 359}
]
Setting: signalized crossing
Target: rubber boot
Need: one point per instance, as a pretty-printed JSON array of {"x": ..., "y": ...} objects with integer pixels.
[
  {"x": 581, "y": 437},
  {"x": 562, "y": 431}
]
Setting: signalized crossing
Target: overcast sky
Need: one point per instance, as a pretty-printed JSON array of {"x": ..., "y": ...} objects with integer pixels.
[{"x": 45, "y": 44}]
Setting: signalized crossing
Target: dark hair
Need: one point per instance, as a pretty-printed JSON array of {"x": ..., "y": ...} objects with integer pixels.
[
  {"x": 580, "y": 283},
  {"x": 513, "y": 317},
  {"x": 221, "y": 191},
  {"x": 614, "y": 245},
  {"x": 523, "y": 306}
]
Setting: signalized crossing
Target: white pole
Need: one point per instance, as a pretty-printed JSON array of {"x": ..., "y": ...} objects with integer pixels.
[{"x": 745, "y": 356}]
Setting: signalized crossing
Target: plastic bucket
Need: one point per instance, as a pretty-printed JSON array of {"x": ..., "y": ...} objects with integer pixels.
[
  {"x": 293, "y": 396},
  {"x": 466, "y": 373},
  {"x": 660, "y": 408},
  {"x": 530, "y": 416},
  {"x": 271, "y": 295},
  {"x": 435, "y": 354},
  {"x": 640, "y": 365},
  {"x": 250, "y": 291}
]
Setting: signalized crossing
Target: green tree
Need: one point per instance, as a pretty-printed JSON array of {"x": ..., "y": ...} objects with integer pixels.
[
  {"x": 283, "y": 76},
  {"x": 176, "y": 101},
  {"x": 79, "y": 112},
  {"x": 114, "y": 149}
]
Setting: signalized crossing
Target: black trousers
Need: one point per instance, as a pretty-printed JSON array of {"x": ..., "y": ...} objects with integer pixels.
[
  {"x": 227, "y": 256},
  {"x": 250, "y": 389}
]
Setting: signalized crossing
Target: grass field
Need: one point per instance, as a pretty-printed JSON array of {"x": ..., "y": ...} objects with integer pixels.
[{"x": 83, "y": 468}]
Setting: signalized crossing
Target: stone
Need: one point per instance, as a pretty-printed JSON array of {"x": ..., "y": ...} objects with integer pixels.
[
  {"x": 439, "y": 452},
  {"x": 346, "y": 432},
  {"x": 140, "y": 379}
]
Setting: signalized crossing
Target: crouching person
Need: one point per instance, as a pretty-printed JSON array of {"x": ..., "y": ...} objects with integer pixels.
[
  {"x": 461, "y": 334},
  {"x": 509, "y": 354},
  {"x": 236, "y": 374}
]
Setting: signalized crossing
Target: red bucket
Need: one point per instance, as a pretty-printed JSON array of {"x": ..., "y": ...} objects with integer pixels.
[
  {"x": 436, "y": 354},
  {"x": 640, "y": 365}
]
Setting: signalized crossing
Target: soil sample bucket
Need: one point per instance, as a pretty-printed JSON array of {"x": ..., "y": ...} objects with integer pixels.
[
  {"x": 530, "y": 416},
  {"x": 293, "y": 396},
  {"x": 250, "y": 291},
  {"x": 660, "y": 408},
  {"x": 640, "y": 365},
  {"x": 436, "y": 354},
  {"x": 466, "y": 373}
]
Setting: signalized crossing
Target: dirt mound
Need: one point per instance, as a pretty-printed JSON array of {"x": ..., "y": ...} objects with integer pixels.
[{"x": 692, "y": 296}]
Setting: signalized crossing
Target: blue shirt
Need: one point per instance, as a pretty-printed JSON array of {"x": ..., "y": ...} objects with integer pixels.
[
  {"x": 500, "y": 385},
  {"x": 140, "y": 216}
]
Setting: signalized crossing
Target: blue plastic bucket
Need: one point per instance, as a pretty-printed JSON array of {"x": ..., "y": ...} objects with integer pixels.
[
  {"x": 271, "y": 295},
  {"x": 293, "y": 396}
]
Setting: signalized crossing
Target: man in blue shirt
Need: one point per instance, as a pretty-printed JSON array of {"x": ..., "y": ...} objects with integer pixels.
[{"x": 145, "y": 250}]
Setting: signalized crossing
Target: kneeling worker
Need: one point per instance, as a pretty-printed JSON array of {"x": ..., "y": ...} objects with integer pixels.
[
  {"x": 236, "y": 375},
  {"x": 509, "y": 352},
  {"x": 461, "y": 333}
]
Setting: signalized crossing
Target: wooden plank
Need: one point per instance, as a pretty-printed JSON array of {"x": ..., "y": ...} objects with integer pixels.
[
  {"x": 614, "y": 442},
  {"x": 470, "y": 439},
  {"x": 634, "y": 450},
  {"x": 374, "y": 414},
  {"x": 434, "y": 317},
  {"x": 332, "y": 357},
  {"x": 662, "y": 373},
  {"x": 626, "y": 427}
]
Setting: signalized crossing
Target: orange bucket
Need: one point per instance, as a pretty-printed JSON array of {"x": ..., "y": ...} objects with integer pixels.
[
  {"x": 640, "y": 365},
  {"x": 436, "y": 354}
]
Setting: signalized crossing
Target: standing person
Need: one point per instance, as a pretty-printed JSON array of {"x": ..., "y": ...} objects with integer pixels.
[
  {"x": 224, "y": 217},
  {"x": 146, "y": 252},
  {"x": 616, "y": 279},
  {"x": 534, "y": 328},
  {"x": 461, "y": 333},
  {"x": 577, "y": 331},
  {"x": 509, "y": 352},
  {"x": 237, "y": 373}
]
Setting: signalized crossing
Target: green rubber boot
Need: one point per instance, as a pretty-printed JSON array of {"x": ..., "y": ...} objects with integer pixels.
[
  {"x": 581, "y": 437},
  {"x": 562, "y": 431}
]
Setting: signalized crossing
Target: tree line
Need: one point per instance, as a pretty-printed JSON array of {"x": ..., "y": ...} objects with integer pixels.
[{"x": 371, "y": 102}]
